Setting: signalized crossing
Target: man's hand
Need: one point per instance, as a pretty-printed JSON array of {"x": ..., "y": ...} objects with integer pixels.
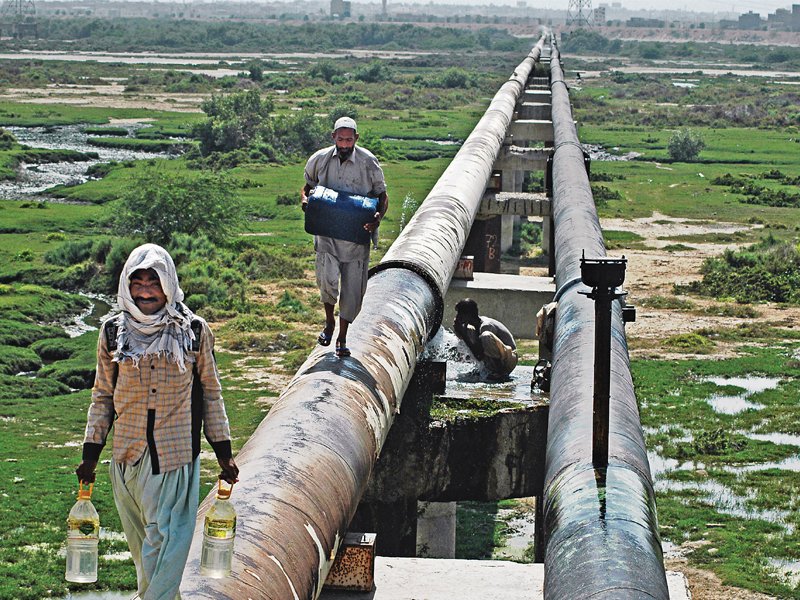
[
  {"x": 85, "y": 471},
  {"x": 471, "y": 337},
  {"x": 374, "y": 225},
  {"x": 304, "y": 193},
  {"x": 230, "y": 472}
]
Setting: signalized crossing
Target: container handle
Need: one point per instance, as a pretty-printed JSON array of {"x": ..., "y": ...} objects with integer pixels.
[{"x": 85, "y": 493}]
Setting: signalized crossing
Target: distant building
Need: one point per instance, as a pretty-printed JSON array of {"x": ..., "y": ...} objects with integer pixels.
[
  {"x": 600, "y": 15},
  {"x": 639, "y": 22},
  {"x": 784, "y": 19},
  {"x": 750, "y": 20},
  {"x": 340, "y": 9}
]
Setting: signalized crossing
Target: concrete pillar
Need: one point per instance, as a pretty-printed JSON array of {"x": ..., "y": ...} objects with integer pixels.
[
  {"x": 436, "y": 529},
  {"x": 506, "y": 232},
  {"x": 508, "y": 184},
  {"x": 483, "y": 243}
]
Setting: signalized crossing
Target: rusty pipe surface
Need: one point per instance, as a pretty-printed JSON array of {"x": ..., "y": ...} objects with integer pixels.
[
  {"x": 305, "y": 467},
  {"x": 601, "y": 531},
  {"x": 434, "y": 239},
  {"x": 307, "y": 464}
]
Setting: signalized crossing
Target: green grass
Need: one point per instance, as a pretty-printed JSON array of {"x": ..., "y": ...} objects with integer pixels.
[
  {"x": 41, "y": 423},
  {"x": 35, "y": 115},
  {"x": 675, "y": 392}
]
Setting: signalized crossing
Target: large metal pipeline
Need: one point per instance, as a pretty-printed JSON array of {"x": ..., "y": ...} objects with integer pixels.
[
  {"x": 305, "y": 467},
  {"x": 601, "y": 532}
]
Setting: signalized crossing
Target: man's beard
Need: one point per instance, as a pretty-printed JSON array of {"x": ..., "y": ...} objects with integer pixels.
[{"x": 344, "y": 153}]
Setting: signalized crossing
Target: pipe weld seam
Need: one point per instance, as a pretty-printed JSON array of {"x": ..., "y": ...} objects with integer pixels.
[
  {"x": 563, "y": 289},
  {"x": 568, "y": 143}
]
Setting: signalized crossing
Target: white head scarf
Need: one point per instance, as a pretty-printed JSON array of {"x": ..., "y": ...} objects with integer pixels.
[{"x": 167, "y": 332}]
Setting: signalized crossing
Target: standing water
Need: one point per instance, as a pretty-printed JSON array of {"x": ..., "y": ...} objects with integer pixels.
[{"x": 35, "y": 178}]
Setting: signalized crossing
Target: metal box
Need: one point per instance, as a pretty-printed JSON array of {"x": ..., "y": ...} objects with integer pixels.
[
  {"x": 464, "y": 268},
  {"x": 354, "y": 566}
]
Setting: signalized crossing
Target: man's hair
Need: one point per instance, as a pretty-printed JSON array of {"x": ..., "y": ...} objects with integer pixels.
[{"x": 467, "y": 308}]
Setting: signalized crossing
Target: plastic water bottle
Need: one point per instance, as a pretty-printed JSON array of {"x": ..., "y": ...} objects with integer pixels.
[
  {"x": 218, "y": 534},
  {"x": 83, "y": 533}
]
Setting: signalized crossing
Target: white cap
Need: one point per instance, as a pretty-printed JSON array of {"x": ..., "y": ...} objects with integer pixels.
[{"x": 345, "y": 122}]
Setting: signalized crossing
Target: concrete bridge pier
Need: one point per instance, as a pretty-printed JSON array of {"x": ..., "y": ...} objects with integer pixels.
[
  {"x": 428, "y": 464},
  {"x": 436, "y": 530}
]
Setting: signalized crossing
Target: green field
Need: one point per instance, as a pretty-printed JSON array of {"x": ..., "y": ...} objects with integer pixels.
[{"x": 258, "y": 290}]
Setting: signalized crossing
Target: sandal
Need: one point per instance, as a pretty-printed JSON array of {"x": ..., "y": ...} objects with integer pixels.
[
  {"x": 324, "y": 339},
  {"x": 341, "y": 349}
]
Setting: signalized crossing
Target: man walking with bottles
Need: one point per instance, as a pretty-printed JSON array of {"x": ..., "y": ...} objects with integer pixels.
[{"x": 156, "y": 382}]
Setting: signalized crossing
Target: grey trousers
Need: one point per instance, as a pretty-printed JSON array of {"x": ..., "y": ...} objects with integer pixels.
[
  {"x": 158, "y": 514},
  {"x": 353, "y": 276}
]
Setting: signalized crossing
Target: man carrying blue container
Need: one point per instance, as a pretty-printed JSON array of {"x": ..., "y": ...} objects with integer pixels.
[{"x": 347, "y": 169}]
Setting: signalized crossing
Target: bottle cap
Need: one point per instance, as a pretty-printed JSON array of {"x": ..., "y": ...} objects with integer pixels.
[
  {"x": 224, "y": 489},
  {"x": 85, "y": 493}
]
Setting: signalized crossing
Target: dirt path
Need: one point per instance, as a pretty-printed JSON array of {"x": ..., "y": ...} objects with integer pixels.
[{"x": 653, "y": 272}]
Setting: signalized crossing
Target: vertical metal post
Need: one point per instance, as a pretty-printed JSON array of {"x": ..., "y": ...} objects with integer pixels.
[
  {"x": 603, "y": 275},
  {"x": 602, "y": 375}
]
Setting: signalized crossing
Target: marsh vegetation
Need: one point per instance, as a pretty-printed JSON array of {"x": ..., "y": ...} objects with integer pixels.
[{"x": 726, "y": 479}]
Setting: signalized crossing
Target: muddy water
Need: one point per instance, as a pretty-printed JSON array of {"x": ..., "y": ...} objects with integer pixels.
[
  {"x": 736, "y": 403},
  {"x": 467, "y": 378},
  {"x": 35, "y": 178},
  {"x": 89, "y": 320},
  {"x": 723, "y": 498}
]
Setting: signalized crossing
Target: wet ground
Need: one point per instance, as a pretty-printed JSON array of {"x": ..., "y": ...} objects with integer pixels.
[
  {"x": 35, "y": 178},
  {"x": 467, "y": 379}
]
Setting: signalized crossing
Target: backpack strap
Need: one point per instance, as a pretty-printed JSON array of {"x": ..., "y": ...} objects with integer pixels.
[
  {"x": 197, "y": 392},
  {"x": 197, "y": 329},
  {"x": 110, "y": 327}
]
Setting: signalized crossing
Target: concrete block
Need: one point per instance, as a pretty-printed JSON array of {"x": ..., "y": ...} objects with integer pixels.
[
  {"x": 446, "y": 579},
  {"x": 436, "y": 529},
  {"x": 523, "y": 204},
  {"x": 519, "y": 158},
  {"x": 443, "y": 579},
  {"x": 513, "y": 300},
  {"x": 533, "y": 130},
  {"x": 534, "y": 110}
]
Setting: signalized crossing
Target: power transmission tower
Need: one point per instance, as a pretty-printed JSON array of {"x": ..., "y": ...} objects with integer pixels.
[
  {"x": 580, "y": 13},
  {"x": 18, "y": 18}
]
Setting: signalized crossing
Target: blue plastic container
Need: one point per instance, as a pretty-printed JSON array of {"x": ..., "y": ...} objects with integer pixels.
[{"x": 340, "y": 215}]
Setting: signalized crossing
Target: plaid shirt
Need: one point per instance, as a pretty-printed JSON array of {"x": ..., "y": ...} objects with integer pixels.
[{"x": 153, "y": 407}]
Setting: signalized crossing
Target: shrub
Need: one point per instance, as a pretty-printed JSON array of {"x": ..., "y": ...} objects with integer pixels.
[
  {"x": 765, "y": 272},
  {"x": 7, "y": 140},
  {"x": 234, "y": 121},
  {"x": 325, "y": 69},
  {"x": 685, "y": 145},
  {"x": 160, "y": 205},
  {"x": 374, "y": 72}
]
